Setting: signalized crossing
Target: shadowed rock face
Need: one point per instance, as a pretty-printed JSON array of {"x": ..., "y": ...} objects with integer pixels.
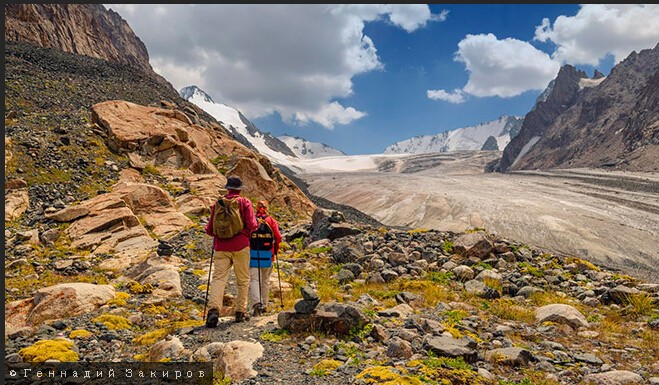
[
  {"x": 611, "y": 124},
  {"x": 84, "y": 29},
  {"x": 563, "y": 93}
]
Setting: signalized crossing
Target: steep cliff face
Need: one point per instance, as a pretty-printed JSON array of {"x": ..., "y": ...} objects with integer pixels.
[
  {"x": 84, "y": 29},
  {"x": 559, "y": 96},
  {"x": 608, "y": 122}
]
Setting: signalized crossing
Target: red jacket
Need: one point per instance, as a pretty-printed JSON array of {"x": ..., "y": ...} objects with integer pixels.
[
  {"x": 275, "y": 232},
  {"x": 241, "y": 240}
]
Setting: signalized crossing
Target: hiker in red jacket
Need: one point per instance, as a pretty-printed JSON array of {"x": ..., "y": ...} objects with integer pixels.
[
  {"x": 231, "y": 252},
  {"x": 259, "y": 275}
]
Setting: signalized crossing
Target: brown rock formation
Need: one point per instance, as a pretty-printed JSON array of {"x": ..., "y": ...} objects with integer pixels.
[
  {"x": 84, "y": 29},
  {"x": 181, "y": 150},
  {"x": 113, "y": 222}
]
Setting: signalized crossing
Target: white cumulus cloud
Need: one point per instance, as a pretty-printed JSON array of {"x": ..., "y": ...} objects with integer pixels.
[
  {"x": 330, "y": 115},
  {"x": 266, "y": 58},
  {"x": 505, "y": 67},
  {"x": 509, "y": 67},
  {"x": 600, "y": 29},
  {"x": 456, "y": 97}
]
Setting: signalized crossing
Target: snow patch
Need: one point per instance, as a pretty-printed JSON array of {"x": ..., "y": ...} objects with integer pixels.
[
  {"x": 584, "y": 82},
  {"x": 525, "y": 149}
]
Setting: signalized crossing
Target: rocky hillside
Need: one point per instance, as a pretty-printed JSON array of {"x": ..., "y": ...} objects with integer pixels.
[
  {"x": 84, "y": 29},
  {"x": 610, "y": 122},
  {"x": 353, "y": 304}
]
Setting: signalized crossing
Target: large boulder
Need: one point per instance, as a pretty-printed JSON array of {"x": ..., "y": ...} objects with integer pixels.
[
  {"x": 165, "y": 136},
  {"x": 235, "y": 360},
  {"x": 16, "y": 203},
  {"x": 561, "y": 313},
  {"x": 117, "y": 222},
  {"x": 56, "y": 302}
]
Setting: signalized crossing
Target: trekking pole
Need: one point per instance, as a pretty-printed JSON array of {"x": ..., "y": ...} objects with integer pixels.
[
  {"x": 281, "y": 293},
  {"x": 258, "y": 263},
  {"x": 209, "y": 278}
]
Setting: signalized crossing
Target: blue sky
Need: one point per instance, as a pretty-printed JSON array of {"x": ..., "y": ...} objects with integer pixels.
[{"x": 361, "y": 77}]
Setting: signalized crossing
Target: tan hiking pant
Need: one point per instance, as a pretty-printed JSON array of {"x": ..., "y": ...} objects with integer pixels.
[
  {"x": 224, "y": 260},
  {"x": 254, "y": 284}
]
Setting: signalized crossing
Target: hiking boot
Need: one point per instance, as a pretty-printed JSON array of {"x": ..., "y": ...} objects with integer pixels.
[
  {"x": 241, "y": 317},
  {"x": 258, "y": 309},
  {"x": 212, "y": 318}
]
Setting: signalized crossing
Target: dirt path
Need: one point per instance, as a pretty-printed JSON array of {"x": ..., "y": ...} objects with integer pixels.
[{"x": 610, "y": 218}]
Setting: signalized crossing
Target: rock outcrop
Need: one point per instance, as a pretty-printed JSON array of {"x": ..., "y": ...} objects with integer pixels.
[
  {"x": 56, "y": 302},
  {"x": 84, "y": 29},
  {"x": 166, "y": 138}
]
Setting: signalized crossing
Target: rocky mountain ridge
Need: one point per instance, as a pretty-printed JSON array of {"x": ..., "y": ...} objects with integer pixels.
[
  {"x": 601, "y": 122},
  {"x": 359, "y": 305},
  {"x": 497, "y": 133},
  {"x": 307, "y": 149}
]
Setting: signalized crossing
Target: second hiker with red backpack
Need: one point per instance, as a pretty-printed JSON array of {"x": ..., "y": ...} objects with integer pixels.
[{"x": 264, "y": 246}]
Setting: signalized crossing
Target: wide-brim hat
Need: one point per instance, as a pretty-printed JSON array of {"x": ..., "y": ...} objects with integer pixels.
[{"x": 234, "y": 183}]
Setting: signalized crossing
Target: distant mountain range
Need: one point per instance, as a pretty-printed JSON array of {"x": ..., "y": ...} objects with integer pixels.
[
  {"x": 578, "y": 121},
  {"x": 494, "y": 135},
  {"x": 306, "y": 149},
  {"x": 277, "y": 149}
]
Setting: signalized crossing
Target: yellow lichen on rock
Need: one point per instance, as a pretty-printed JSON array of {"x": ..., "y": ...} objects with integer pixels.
[
  {"x": 151, "y": 337},
  {"x": 113, "y": 322},
  {"x": 80, "y": 333},
  {"x": 137, "y": 288},
  {"x": 57, "y": 349},
  {"x": 380, "y": 375},
  {"x": 325, "y": 366}
]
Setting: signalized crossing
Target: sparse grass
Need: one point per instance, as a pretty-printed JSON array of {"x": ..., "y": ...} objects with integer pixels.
[
  {"x": 379, "y": 291},
  {"x": 639, "y": 304},
  {"x": 447, "y": 246},
  {"x": 151, "y": 337},
  {"x": 58, "y": 349},
  {"x": 506, "y": 308},
  {"x": 455, "y": 316},
  {"x": 443, "y": 278},
  {"x": 26, "y": 283},
  {"x": 79, "y": 333},
  {"x": 322, "y": 249},
  {"x": 484, "y": 265},
  {"x": 493, "y": 283},
  {"x": 581, "y": 264},
  {"x": 113, "y": 322},
  {"x": 527, "y": 268},
  {"x": 150, "y": 169},
  {"x": 548, "y": 297},
  {"x": 531, "y": 377}
]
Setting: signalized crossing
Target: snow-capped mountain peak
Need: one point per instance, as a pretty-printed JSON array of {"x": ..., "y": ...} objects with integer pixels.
[
  {"x": 189, "y": 92},
  {"x": 306, "y": 149},
  {"x": 282, "y": 150},
  {"x": 466, "y": 138}
]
